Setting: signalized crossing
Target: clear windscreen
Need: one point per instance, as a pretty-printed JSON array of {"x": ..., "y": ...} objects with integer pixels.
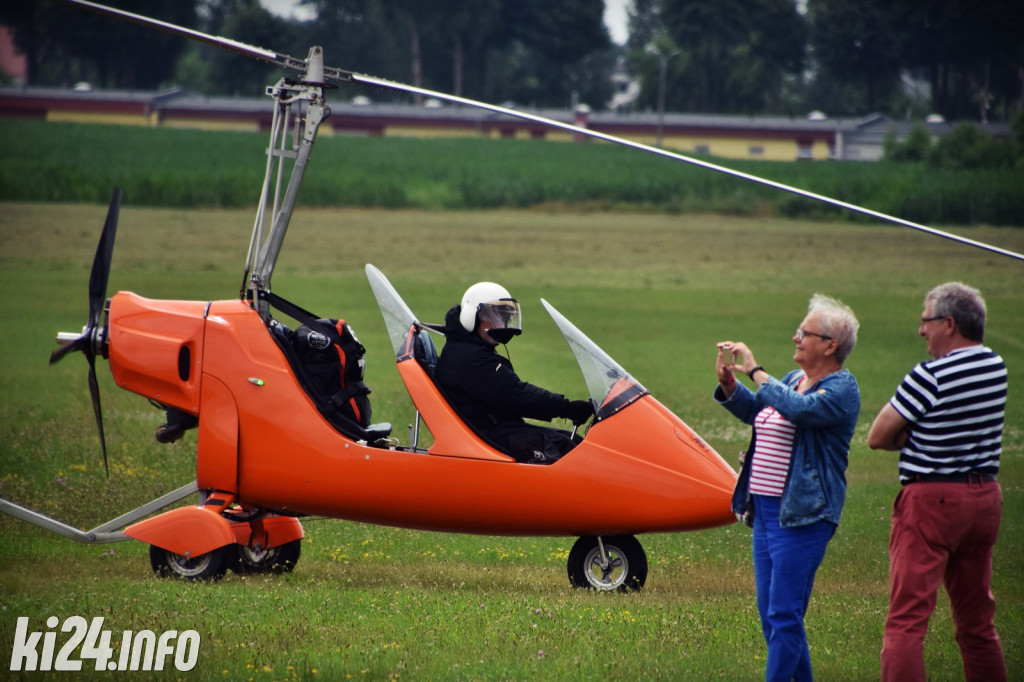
[
  {"x": 398, "y": 318},
  {"x": 611, "y": 387}
]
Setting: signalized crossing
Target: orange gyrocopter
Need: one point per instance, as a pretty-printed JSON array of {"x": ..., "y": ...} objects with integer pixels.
[{"x": 231, "y": 368}]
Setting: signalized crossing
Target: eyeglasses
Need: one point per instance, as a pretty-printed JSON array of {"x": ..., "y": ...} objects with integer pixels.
[
  {"x": 801, "y": 333},
  {"x": 933, "y": 319}
]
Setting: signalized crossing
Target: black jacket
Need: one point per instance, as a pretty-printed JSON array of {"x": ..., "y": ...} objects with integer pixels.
[{"x": 482, "y": 387}]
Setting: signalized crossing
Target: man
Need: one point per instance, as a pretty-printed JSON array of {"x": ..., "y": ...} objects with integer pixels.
[
  {"x": 946, "y": 420},
  {"x": 483, "y": 389}
]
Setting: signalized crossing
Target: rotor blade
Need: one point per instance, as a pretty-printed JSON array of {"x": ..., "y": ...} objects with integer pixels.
[
  {"x": 331, "y": 73},
  {"x": 94, "y": 391},
  {"x": 100, "y": 274},
  {"x": 392, "y": 85}
]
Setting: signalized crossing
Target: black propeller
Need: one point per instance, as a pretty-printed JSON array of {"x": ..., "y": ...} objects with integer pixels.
[{"x": 93, "y": 339}]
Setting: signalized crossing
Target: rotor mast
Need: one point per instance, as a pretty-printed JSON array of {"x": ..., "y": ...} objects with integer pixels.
[{"x": 301, "y": 127}]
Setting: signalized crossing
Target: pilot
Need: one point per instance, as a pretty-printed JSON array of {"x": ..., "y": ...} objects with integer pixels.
[{"x": 485, "y": 391}]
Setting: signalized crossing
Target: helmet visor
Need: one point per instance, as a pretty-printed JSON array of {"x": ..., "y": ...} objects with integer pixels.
[{"x": 501, "y": 314}]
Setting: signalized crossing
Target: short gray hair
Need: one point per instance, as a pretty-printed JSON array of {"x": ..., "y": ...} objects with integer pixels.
[
  {"x": 837, "y": 321},
  {"x": 964, "y": 304}
]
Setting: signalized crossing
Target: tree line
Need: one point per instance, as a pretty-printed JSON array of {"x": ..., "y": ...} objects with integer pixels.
[{"x": 961, "y": 59}]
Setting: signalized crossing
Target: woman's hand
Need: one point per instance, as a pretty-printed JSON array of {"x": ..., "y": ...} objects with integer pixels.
[
  {"x": 742, "y": 358},
  {"x": 724, "y": 364}
]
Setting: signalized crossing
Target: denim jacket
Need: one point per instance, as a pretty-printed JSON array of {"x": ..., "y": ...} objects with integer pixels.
[{"x": 824, "y": 417}]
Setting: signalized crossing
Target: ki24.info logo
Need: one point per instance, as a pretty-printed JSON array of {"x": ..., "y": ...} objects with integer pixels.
[{"x": 143, "y": 650}]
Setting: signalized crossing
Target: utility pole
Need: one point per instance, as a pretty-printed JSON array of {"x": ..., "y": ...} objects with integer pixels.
[{"x": 665, "y": 49}]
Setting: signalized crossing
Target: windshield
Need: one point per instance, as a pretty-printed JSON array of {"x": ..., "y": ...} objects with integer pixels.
[
  {"x": 611, "y": 387},
  {"x": 398, "y": 318}
]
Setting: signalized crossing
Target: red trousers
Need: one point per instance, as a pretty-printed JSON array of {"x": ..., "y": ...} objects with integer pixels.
[{"x": 943, "y": 534}]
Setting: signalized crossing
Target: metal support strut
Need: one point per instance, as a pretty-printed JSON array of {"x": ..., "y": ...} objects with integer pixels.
[{"x": 105, "y": 533}]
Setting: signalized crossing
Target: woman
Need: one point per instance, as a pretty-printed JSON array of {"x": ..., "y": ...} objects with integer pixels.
[{"x": 793, "y": 476}]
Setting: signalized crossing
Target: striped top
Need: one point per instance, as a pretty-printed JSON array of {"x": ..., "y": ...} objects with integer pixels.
[
  {"x": 773, "y": 450},
  {"x": 955, "y": 405}
]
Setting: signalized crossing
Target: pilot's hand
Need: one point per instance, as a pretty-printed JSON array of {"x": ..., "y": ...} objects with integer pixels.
[{"x": 579, "y": 411}]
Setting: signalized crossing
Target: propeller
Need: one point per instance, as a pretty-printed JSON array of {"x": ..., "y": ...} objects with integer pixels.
[{"x": 93, "y": 339}]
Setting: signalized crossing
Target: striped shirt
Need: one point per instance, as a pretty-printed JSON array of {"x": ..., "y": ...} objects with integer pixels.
[
  {"x": 773, "y": 450},
  {"x": 955, "y": 405}
]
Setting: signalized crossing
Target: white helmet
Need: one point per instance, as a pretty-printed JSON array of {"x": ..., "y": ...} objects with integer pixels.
[{"x": 490, "y": 303}]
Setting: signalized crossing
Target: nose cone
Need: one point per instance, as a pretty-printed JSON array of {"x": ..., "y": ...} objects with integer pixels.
[{"x": 665, "y": 477}]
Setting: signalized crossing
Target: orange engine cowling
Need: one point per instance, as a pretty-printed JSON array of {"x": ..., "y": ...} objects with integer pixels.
[{"x": 156, "y": 348}]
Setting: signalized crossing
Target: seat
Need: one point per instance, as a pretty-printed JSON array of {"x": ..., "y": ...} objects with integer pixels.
[
  {"x": 373, "y": 434},
  {"x": 452, "y": 436},
  {"x": 425, "y": 351}
]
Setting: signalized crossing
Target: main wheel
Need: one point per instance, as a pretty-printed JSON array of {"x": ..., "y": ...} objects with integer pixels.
[
  {"x": 268, "y": 559},
  {"x": 624, "y": 570},
  {"x": 209, "y": 566}
]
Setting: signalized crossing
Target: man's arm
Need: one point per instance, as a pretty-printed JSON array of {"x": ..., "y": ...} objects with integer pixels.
[{"x": 889, "y": 430}]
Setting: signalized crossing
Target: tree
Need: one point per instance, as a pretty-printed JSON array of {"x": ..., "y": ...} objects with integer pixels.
[
  {"x": 471, "y": 31},
  {"x": 440, "y": 45},
  {"x": 646, "y": 43},
  {"x": 356, "y": 35},
  {"x": 526, "y": 50},
  {"x": 968, "y": 146},
  {"x": 914, "y": 148},
  {"x": 554, "y": 46},
  {"x": 64, "y": 44},
  {"x": 248, "y": 22},
  {"x": 971, "y": 54},
  {"x": 857, "y": 48},
  {"x": 736, "y": 55},
  {"x": 26, "y": 19}
]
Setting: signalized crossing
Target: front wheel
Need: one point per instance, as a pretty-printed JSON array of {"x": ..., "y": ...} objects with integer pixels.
[
  {"x": 210, "y": 566},
  {"x": 622, "y": 566}
]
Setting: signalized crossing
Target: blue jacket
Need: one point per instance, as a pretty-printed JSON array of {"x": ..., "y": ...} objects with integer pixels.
[{"x": 824, "y": 418}]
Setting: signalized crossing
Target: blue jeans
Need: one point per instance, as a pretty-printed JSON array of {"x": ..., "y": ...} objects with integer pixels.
[{"x": 785, "y": 561}]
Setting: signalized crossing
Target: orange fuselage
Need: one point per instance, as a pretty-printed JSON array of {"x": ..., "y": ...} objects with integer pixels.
[{"x": 262, "y": 439}]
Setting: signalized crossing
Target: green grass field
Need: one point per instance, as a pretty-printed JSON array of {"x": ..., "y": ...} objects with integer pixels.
[{"x": 371, "y": 603}]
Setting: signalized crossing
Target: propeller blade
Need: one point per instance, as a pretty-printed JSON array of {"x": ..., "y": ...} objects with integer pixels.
[
  {"x": 94, "y": 391},
  {"x": 100, "y": 275},
  {"x": 91, "y": 338}
]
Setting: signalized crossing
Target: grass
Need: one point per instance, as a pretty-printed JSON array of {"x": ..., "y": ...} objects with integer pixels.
[{"x": 367, "y": 602}]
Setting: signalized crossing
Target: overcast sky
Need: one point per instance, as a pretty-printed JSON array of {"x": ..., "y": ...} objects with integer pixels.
[
  {"x": 614, "y": 14},
  {"x": 617, "y": 20}
]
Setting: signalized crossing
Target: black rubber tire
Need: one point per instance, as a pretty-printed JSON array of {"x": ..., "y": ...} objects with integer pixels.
[
  {"x": 210, "y": 566},
  {"x": 626, "y": 571},
  {"x": 273, "y": 560}
]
